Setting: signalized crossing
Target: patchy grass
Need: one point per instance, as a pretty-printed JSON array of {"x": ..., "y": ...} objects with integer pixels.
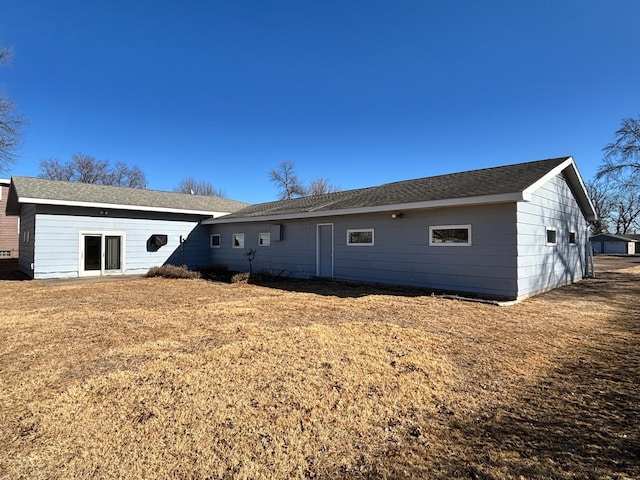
[{"x": 193, "y": 379}]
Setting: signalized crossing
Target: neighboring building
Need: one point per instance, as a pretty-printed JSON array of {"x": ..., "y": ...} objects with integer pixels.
[
  {"x": 614, "y": 244},
  {"x": 507, "y": 232},
  {"x": 78, "y": 229},
  {"x": 636, "y": 238},
  {"x": 9, "y": 225}
]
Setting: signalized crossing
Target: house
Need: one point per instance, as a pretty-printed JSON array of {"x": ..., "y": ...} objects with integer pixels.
[
  {"x": 506, "y": 232},
  {"x": 8, "y": 225},
  {"x": 614, "y": 244},
  {"x": 78, "y": 229}
]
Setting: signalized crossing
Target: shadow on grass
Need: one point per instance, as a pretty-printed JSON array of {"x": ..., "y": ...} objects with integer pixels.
[
  {"x": 582, "y": 421},
  {"x": 606, "y": 287},
  {"x": 579, "y": 422},
  {"x": 9, "y": 270},
  {"x": 345, "y": 289},
  {"x": 332, "y": 288}
]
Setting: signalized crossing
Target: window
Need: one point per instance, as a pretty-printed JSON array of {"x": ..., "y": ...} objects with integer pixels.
[
  {"x": 238, "y": 240},
  {"x": 450, "y": 235},
  {"x": 5, "y": 253},
  {"x": 551, "y": 236},
  {"x": 264, "y": 239},
  {"x": 572, "y": 238},
  {"x": 362, "y": 238},
  {"x": 214, "y": 240}
]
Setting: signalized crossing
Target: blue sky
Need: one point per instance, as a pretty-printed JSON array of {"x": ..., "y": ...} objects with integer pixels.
[{"x": 361, "y": 92}]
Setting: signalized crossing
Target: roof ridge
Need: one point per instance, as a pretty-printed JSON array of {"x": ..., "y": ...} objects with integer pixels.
[{"x": 557, "y": 160}]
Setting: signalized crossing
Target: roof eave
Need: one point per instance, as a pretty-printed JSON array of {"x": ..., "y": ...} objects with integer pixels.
[
  {"x": 569, "y": 168},
  {"x": 141, "y": 208},
  {"x": 452, "y": 202}
]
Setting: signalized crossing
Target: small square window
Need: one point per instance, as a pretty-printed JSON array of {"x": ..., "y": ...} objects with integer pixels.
[
  {"x": 572, "y": 238},
  {"x": 238, "y": 240},
  {"x": 214, "y": 241},
  {"x": 264, "y": 239},
  {"x": 362, "y": 237},
  {"x": 551, "y": 236}
]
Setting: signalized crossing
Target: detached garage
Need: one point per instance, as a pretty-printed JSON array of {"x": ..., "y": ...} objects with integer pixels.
[{"x": 613, "y": 244}]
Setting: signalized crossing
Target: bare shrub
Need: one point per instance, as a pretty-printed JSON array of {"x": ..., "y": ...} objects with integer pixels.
[
  {"x": 240, "y": 277},
  {"x": 172, "y": 271}
]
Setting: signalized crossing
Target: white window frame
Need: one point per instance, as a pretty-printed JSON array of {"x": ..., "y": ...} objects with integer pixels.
[
  {"x": 266, "y": 236},
  {"x": 211, "y": 240},
  {"x": 103, "y": 270},
  {"x": 240, "y": 237},
  {"x": 575, "y": 237},
  {"x": 449, "y": 227},
  {"x": 354, "y": 230},
  {"x": 546, "y": 236}
]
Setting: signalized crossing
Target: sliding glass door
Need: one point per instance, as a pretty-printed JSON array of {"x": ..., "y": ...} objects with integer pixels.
[{"x": 101, "y": 253}]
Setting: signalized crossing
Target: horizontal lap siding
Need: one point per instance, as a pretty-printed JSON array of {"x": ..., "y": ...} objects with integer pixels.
[
  {"x": 294, "y": 256},
  {"x": 401, "y": 253},
  {"x": 8, "y": 225},
  {"x": 57, "y": 241},
  {"x": 542, "y": 267}
]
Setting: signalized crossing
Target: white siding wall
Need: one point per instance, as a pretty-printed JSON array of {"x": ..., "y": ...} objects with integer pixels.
[
  {"x": 57, "y": 241},
  {"x": 401, "y": 254},
  {"x": 542, "y": 267}
]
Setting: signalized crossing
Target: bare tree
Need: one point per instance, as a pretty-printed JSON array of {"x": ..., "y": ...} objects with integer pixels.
[
  {"x": 123, "y": 176},
  {"x": 287, "y": 181},
  {"x": 622, "y": 156},
  {"x": 196, "y": 187},
  {"x": 86, "y": 169},
  {"x": 602, "y": 199},
  {"x": 321, "y": 186},
  {"x": 10, "y": 123},
  {"x": 626, "y": 212}
]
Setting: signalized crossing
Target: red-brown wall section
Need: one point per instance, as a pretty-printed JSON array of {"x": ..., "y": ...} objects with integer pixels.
[{"x": 9, "y": 233}]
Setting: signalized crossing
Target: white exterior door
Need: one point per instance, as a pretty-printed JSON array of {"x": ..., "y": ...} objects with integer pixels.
[{"x": 324, "y": 250}]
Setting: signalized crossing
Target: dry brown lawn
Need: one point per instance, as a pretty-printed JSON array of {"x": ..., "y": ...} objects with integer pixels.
[{"x": 156, "y": 378}]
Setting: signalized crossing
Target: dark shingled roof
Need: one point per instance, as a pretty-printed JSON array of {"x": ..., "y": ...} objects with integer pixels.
[
  {"x": 85, "y": 193},
  {"x": 474, "y": 183},
  {"x": 625, "y": 237}
]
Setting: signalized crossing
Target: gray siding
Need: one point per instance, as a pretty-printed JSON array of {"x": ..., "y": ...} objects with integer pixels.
[
  {"x": 294, "y": 256},
  {"x": 401, "y": 253},
  {"x": 57, "y": 242},
  {"x": 542, "y": 267},
  {"x": 26, "y": 240}
]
